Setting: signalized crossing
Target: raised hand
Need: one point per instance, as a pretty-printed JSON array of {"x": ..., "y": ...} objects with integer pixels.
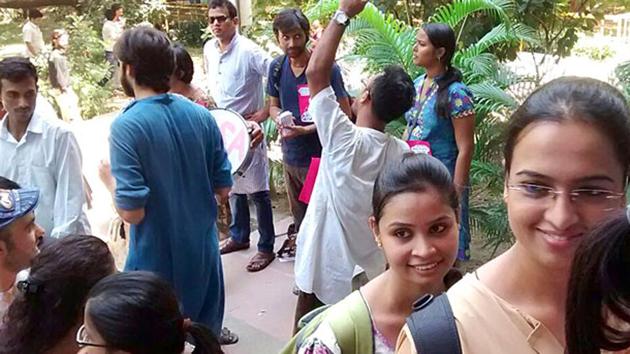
[{"x": 352, "y": 7}]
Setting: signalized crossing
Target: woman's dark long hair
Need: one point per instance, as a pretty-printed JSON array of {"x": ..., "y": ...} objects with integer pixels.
[
  {"x": 598, "y": 303},
  {"x": 442, "y": 36},
  {"x": 139, "y": 313},
  {"x": 50, "y": 302}
]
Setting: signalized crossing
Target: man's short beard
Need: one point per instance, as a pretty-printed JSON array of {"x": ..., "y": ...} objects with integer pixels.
[{"x": 126, "y": 85}]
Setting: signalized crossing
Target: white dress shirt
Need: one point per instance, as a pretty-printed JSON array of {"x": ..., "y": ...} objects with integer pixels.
[
  {"x": 235, "y": 81},
  {"x": 335, "y": 237},
  {"x": 48, "y": 158}
]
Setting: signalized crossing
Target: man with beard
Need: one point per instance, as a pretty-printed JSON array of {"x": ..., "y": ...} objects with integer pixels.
[
  {"x": 19, "y": 236},
  {"x": 287, "y": 89},
  {"x": 42, "y": 152},
  {"x": 168, "y": 164},
  {"x": 235, "y": 67}
]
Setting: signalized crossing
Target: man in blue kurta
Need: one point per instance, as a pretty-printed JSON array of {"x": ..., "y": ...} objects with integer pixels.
[{"x": 168, "y": 161}]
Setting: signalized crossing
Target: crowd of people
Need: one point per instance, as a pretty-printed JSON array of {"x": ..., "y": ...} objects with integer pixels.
[{"x": 377, "y": 235}]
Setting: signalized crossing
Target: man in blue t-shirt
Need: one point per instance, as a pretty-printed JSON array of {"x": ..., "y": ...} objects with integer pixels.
[
  {"x": 288, "y": 92},
  {"x": 169, "y": 164}
]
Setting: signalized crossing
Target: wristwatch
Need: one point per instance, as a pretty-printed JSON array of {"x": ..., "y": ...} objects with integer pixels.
[{"x": 341, "y": 18}]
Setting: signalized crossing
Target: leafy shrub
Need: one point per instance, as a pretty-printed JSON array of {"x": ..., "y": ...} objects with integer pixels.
[
  {"x": 595, "y": 52},
  {"x": 88, "y": 66},
  {"x": 189, "y": 33}
]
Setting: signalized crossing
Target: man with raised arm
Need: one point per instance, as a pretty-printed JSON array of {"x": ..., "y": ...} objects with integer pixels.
[{"x": 335, "y": 237}]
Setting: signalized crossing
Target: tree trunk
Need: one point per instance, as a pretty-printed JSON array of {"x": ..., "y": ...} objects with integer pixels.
[{"x": 21, "y": 4}]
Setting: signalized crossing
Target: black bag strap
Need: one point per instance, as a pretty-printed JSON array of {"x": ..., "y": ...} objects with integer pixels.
[{"x": 432, "y": 326}]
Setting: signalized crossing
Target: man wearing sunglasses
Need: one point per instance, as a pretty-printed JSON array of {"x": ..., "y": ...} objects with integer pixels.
[{"x": 235, "y": 67}]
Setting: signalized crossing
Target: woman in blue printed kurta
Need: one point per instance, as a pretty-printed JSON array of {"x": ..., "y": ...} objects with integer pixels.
[{"x": 443, "y": 116}]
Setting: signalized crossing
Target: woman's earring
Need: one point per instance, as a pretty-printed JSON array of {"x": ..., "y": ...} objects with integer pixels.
[{"x": 379, "y": 243}]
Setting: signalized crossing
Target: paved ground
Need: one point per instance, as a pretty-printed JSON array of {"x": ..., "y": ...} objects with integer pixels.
[{"x": 259, "y": 306}]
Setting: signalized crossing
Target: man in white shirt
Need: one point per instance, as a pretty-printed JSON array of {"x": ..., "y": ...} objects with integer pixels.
[
  {"x": 32, "y": 35},
  {"x": 235, "y": 67},
  {"x": 40, "y": 152},
  {"x": 335, "y": 237},
  {"x": 19, "y": 236}
]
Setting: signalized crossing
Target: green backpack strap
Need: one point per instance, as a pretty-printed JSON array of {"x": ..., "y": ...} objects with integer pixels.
[
  {"x": 352, "y": 326},
  {"x": 350, "y": 321}
]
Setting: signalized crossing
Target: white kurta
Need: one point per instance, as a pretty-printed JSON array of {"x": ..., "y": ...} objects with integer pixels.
[
  {"x": 335, "y": 236},
  {"x": 235, "y": 81}
]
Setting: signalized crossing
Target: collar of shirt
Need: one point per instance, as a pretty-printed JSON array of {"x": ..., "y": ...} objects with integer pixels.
[
  {"x": 233, "y": 42},
  {"x": 35, "y": 126},
  {"x": 150, "y": 98}
]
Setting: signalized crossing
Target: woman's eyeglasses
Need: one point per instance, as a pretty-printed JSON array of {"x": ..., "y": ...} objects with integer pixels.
[
  {"x": 83, "y": 340},
  {"x": 586, "y": 198}
]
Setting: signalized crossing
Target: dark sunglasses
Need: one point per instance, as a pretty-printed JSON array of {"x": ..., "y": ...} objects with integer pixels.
[{"x": 220, "y": 19}]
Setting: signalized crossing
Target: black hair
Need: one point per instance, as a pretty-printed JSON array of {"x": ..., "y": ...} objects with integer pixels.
[
  {"x": 6, "y": 183},
  {"x": 50, "y": 302},
  {"x": 34, "y": 13},
  {"x": 415, "y": 173},
  {"x": 109, "y": 14},
  {"x": 580, "y": 99},
  {"x": 598, "y": 302},
  {"x": 16, "y": 69},
  {"x": 184, "y": 66},
  {"x": 139, "y": 313},
  {"x": 115, "y": 7},
  {"x": 441, "y": 35},
  {"x": 291, "y": 19},
  {"x": 213, "y": 4},
  {"x": 392, "y": 93},
  {"x": 150, "y": 55}
]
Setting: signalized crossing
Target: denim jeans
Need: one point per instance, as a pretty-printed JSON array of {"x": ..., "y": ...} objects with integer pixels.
[{"x": 240, "y": 227}]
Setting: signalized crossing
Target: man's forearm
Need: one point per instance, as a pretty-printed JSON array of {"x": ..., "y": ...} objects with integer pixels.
[{"x": 323, "y": 57}]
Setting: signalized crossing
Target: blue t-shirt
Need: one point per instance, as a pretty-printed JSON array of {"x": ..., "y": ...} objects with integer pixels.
[
  {"x": 298, "y": 151},
  {"x": 167, "y": 157}
]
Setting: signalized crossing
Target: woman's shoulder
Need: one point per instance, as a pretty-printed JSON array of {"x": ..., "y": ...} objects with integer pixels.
[{"x": 458, "y": 87}]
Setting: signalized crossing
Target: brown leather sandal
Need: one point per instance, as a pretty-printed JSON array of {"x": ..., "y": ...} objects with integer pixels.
[
  {"x": 229, "y": 246},
  {"x": 260, "y": 261}
]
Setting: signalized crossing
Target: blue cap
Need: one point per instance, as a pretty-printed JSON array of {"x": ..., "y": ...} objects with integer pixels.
[{"x": 15, "y": 203}]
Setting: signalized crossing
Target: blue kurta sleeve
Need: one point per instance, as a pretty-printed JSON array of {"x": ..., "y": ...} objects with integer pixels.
[
  {"x": 460, "y": 101},
  {"x": 132, "y": 190}
]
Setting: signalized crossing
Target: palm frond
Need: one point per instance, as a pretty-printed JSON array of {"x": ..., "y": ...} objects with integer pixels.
[
  {"x": 498, "y": 35},
  {"x": 491, "y": 97},
  {"x": 454, "y": 13}
]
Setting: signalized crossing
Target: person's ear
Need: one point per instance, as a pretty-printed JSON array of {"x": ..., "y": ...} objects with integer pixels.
[
  {"x": 236, "y": 20},
  {"x": 439, "y": 53},
  {"x": 375, "y": 231}
]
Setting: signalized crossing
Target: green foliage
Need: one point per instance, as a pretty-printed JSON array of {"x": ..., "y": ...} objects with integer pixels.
[
  {"x": 622, "y": 74},
  {"x": 597, "y": 53},
  {"x": 558, "y": 22},
  {"x": 189, "y": 33},
  {"x": 88, "y": 66}
]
